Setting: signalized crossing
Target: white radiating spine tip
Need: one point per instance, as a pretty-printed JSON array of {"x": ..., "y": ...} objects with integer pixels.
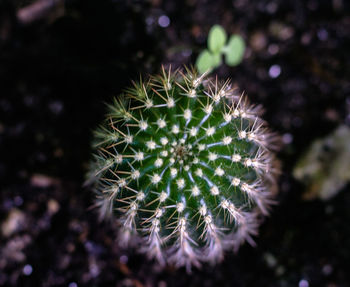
[
  {"x": 212, "y": 156},
  {"x": 216, "y": 98},
  {"x": 214, "y": 190},
  {"x": 260, "y": 165},
  {"x": 248, "y": 162},
  {"x": 203, "y": 210},
  {"x": 156, "y": 178},
  {"x": 251, "y": 189},
  {"x": 201, "y": 147},
  {"x": 149, "y": 103},
  {"x": 219, "y": 171},
  {"x": 135, "y": 174},
  {"x": 139, "y": 156},
  {"x": 173, "y": 172},
  {"x": 236, "y": 113},
  {"x": 158, "y": 162},
  {"x": 164, "y": 140},
  {"x": 129, "y": 139},
  {"x": 180, "y": 183},
  {"x": 197, "y": 82},
  {"x": 151, "y": 145},
  {"x": 161, "y": 123},
  {"x": 119, "y": 159},
  {"x": 154, "y": 229},
  {"x": 195, "y": 190},
  {"x": 159, "y": 212},
  {"x": 224, "y": 204},
  {"x": 242, "y": 134},
  {"x": 208, "y": 109},
  {"x": 134, "y": 206},
  {"x": 143, "y": 125},
  {"x": 115, "y": 189},
  {"x": 140, "y": 196},
  {"x": 208, "y": 219},
  {"x": 175, "y": 129},
  {"x": 251, "y": 136},
  {"x": 222, "y": 93},
  {"x": 227, "y": 140},
  {"x": 171, "y": 103},
  {"x": 210, "y": 131},
  {"x": 163, "y": 196},
  {"x": 233, "y": 211},
  {"x": 193, "y": 131},
  {"x": 187, "y": 114},
  {"x": 180, "y": 206},
  {"x": 227, "y": 117},
  {"x": 199, "y": 172},
  {"x": 235, "y": 181},
  {"x": 243, "y": 113},
  {"x": 122, "y": 182},
  {"x": 192, "y": 93},
  {"x": 236, "y": 158},
  {"x": 164, "y": 153}
]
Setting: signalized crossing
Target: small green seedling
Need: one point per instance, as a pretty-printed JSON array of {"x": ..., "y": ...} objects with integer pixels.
[{"x": 211, "y": 58}]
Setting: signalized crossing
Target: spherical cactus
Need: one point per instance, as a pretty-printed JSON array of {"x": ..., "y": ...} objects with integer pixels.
[{"x": 185, "y": 166}]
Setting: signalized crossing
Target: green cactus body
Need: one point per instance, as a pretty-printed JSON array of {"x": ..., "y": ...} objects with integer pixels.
[{"x": 185, "y": 165}]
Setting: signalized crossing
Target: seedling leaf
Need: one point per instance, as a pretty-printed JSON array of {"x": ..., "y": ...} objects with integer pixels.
[
  {"x": 234, "y": 51},
  {"x": 205, "y": 61},
  {"x": 216, "y": 39}
]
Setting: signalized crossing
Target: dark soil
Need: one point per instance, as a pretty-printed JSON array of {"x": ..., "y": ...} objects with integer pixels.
[{"x": 57, "y": 73}]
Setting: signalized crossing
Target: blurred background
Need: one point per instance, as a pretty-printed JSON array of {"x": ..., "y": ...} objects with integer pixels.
[{"x": 61, "y": 61}]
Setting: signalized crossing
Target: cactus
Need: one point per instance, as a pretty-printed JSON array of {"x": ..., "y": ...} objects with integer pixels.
[{"x": 184, "y": 165}]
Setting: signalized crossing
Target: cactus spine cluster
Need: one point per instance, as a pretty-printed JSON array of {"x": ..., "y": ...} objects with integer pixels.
[{"x": 185, "y": 165}]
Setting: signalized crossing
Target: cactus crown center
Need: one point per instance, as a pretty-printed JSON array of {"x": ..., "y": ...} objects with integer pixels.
[{"x": 181, "y": 151}]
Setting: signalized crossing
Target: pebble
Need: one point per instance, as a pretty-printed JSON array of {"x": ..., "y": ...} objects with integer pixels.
[
  {"x": 27, "y": 269},
  {"x": 164, "y": 21}
]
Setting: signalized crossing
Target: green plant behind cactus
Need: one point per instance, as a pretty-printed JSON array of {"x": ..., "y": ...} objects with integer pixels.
[
  {"x": 184, "y": 164},
  {"x": 211, "y": 58}
]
